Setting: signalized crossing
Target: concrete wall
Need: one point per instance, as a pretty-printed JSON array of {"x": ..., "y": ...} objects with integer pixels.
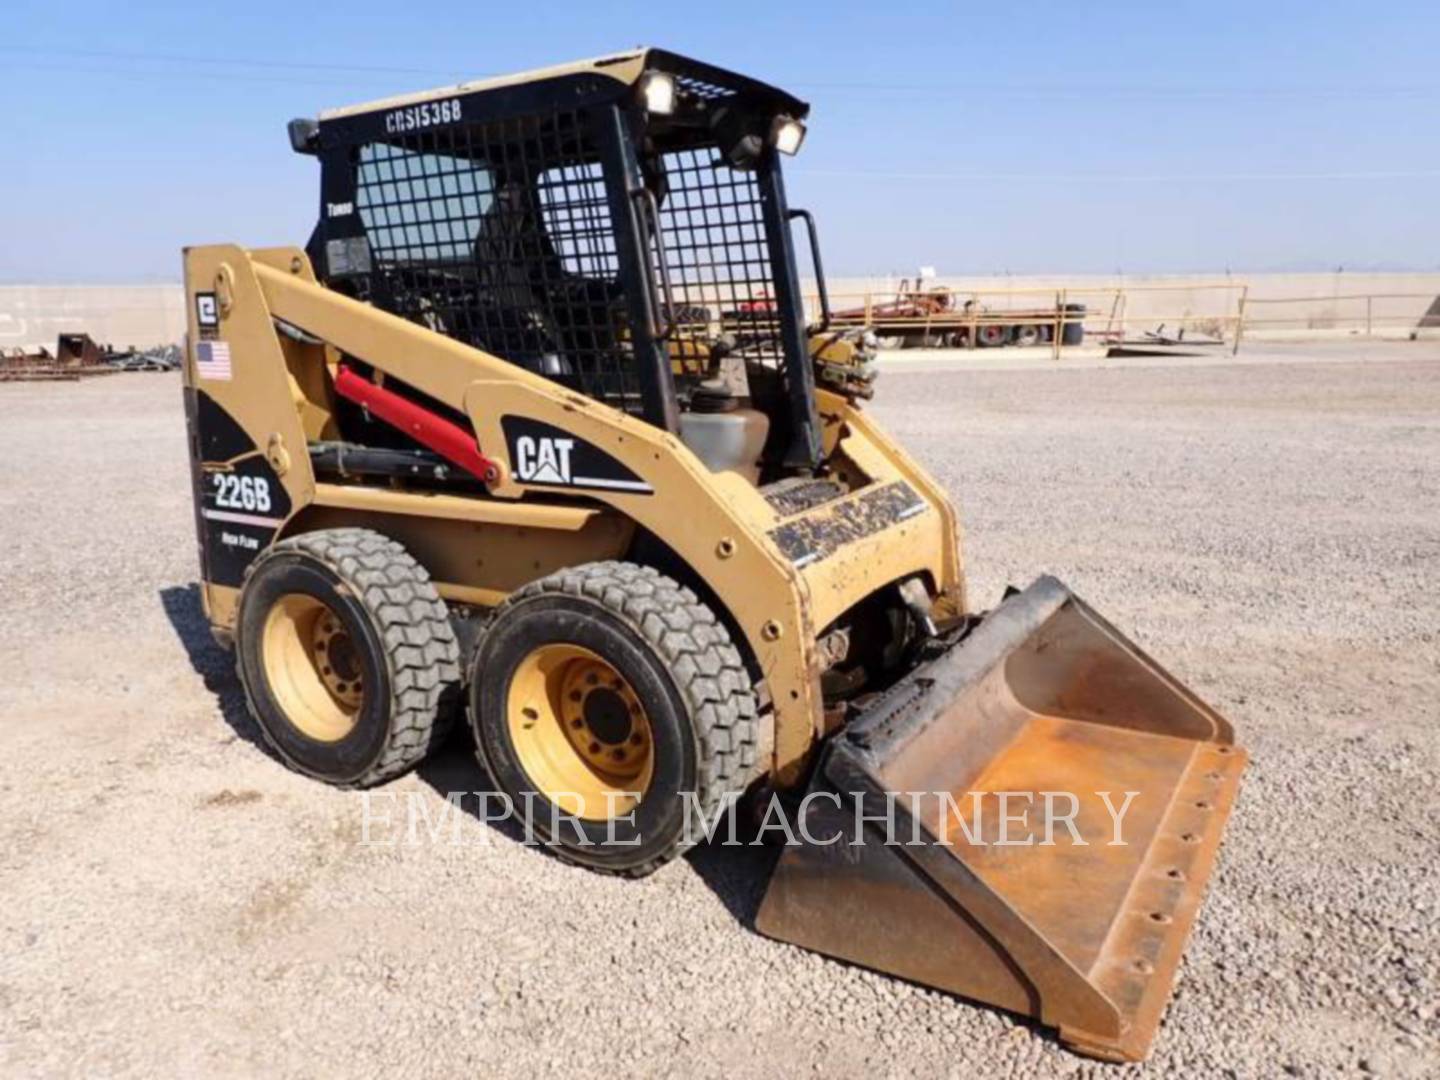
[{"x": 32, "y": 316}]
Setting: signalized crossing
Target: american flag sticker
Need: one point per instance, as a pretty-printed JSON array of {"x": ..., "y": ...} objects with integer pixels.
[{"x": 212, "y": 360}]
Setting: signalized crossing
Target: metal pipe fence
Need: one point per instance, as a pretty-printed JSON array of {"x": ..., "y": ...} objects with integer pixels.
[
  {"x": 1358, "y": 313},
  {"x": 1220, "y": 312}
]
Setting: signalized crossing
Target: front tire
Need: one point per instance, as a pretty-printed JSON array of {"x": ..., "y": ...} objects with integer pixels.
[
  {"x": 612, "y": 708},
  {"x": 347, "y": 656},
  {"x": 992, "y": 335}
]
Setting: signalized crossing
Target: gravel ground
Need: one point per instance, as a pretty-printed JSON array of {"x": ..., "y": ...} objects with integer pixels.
[{"x": 175, "y": 902}]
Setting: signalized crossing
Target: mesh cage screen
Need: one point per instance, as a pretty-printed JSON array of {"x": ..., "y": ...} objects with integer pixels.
[
  {"x": 501, "y": 237},
  {"x": 718, "y": 254}
]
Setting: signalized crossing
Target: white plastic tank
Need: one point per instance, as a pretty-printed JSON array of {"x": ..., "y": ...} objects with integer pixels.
[{"x": 722, "y": 432}]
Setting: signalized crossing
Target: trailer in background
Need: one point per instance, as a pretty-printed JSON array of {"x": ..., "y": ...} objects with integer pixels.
[{"x": 920, "y": 317}]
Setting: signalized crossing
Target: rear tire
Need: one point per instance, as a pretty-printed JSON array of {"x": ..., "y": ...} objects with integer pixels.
[
  {"x": 613, "y": 660},
  {"x": 347, "y": 656},
  {"x": 1027, "y": 335}
]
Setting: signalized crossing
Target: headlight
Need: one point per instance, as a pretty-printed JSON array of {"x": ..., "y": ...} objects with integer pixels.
[
  {"x": 786, "y": 135},
  {"x": 657, "y": 89}
]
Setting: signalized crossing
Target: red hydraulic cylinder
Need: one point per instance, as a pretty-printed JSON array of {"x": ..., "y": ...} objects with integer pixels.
[{"x": 446, "y": 438}]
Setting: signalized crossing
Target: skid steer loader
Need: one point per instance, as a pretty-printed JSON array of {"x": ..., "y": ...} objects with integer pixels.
[{"x": 536, "y": 431}]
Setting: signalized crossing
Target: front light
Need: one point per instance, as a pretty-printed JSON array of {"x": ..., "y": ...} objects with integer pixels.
[
  {"x": 658, "y": 90},
  {"x": 787, "y": 134}
]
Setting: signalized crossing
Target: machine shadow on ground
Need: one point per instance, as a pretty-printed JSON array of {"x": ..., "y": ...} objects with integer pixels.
[
  {"x": 737, "y": 874},
  {"x": 214, "y": 665}
]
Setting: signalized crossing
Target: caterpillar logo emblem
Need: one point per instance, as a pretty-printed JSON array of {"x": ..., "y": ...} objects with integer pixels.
[
  {"x": 542, "y": 460},
  {"x": 541, "y": 453}
]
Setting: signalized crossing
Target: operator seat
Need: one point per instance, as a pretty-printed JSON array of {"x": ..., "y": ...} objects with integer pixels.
[{"x": 548, "y": 319}]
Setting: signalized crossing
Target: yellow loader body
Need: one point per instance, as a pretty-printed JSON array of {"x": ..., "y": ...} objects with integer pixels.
[{"x": 541, "y": 418}]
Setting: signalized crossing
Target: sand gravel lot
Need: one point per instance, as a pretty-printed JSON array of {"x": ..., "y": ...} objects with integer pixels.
[{"x": 174, "y": 902}]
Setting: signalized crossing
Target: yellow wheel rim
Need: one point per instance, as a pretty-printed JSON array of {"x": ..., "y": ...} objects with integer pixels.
[
  {"x": 580, "y": 732},
  {"x": 312, "y": 667}
]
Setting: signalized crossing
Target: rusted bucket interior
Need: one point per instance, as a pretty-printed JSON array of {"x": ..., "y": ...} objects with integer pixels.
[{"x": 1079, "y": 922}]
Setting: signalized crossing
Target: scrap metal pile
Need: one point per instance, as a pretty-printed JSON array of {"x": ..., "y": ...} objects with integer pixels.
[{"x": 77, "y": 356}]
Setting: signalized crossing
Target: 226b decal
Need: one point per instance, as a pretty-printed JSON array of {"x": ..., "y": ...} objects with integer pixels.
[
  {"x": 240, "y": 502},
  {"x": 250, "y": 493}
]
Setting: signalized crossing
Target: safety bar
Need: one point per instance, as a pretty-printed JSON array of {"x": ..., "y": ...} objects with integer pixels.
[
  {"x": 662, "y": 314},
  {"x": 809, "y": 220}
]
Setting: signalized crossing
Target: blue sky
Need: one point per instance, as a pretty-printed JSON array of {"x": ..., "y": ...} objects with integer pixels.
[{"x": 1023, "y": 137}]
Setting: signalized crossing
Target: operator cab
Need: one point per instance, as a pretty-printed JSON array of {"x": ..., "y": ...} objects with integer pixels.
[{"x": 617, "y": 225}]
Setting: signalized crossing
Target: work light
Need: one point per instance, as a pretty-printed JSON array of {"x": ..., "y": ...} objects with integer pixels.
[
  {"x": 658, "y": 90},
  {"x": 786, "y": 135}
]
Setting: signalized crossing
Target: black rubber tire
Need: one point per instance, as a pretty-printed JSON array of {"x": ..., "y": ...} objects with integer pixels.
[
  {"x": 992, "y": 335},
  {"x": 682, "y": 664},
  {"x": 405, "y": 645},
  {"x": 1027, "y": 335}
]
